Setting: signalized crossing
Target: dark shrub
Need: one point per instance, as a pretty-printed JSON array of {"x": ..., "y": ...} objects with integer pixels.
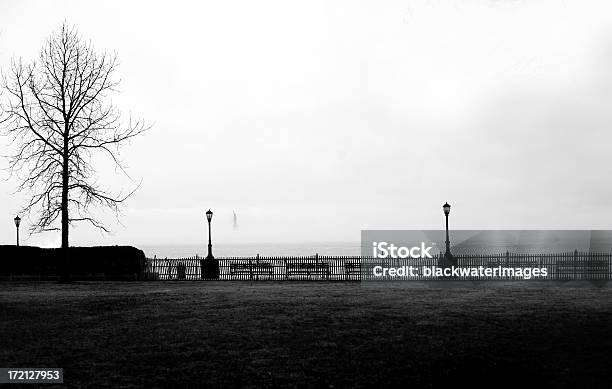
[{"x": 103, "y": 262}]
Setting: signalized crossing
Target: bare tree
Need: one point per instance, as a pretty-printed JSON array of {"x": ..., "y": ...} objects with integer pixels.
[{"x": 57, "y": 113}]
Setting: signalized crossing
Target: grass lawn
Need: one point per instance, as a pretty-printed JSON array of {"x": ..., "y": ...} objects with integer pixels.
[{"x": 202, "y": 334}]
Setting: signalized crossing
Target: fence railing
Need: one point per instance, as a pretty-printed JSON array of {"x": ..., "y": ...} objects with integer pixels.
[{"x": 560, "y": 266}]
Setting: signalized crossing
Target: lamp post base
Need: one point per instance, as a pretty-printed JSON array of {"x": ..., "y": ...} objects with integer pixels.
[
  {"x": 210, "y": 268},
  {"x": 445, "y": 262}
]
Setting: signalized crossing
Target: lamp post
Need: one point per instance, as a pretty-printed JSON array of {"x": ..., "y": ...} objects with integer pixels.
[
  {"x": 209, "y": 218},
  {"x": 17, "y": 223},
  {"x": 209, "y": 265},
  {"x": 446, "y": 207}
]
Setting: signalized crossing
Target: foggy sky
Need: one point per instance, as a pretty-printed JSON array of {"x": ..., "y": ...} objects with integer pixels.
[{"x": 314, "y": 120}]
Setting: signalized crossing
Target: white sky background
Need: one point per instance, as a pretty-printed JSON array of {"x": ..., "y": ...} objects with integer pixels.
[{"x": 317, "y": 119}]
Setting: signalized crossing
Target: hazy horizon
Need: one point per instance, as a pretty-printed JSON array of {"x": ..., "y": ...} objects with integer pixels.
[{"x": 313, "y": 121}]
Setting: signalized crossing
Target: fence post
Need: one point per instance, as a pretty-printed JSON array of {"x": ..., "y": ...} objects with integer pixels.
[
  {"x": 181, "y": 271},
  {"x": 575, "y": 263},
  {"x": 508, "y": 260},
  {"x": 286, "y": 271}
]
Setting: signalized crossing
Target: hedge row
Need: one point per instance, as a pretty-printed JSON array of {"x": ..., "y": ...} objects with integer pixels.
[{"x": 104, "y": 262}]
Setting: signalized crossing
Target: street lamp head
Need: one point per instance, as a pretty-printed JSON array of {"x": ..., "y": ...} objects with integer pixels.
[
  {"x": 209, "y": 215},
  {"x": 17, "y": 221},
  {"x": 446, "y": 208}
]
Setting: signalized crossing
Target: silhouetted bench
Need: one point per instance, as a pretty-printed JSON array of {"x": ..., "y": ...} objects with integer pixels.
[
  {"x": 251, "y": 269},
  {"x": 308, "y": 269},
  {"x": 352, "y": 268},
  {"x": 582, "y": 269}
]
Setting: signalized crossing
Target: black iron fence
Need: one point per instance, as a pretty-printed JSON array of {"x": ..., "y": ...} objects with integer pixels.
[{"x": 559, "y": 266}]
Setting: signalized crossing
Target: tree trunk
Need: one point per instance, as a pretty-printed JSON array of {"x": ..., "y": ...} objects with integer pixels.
[{"x": 65, "y": 245}]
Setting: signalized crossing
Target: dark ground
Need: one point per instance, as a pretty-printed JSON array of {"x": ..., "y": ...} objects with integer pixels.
[{"x": 202, "y": 334}]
